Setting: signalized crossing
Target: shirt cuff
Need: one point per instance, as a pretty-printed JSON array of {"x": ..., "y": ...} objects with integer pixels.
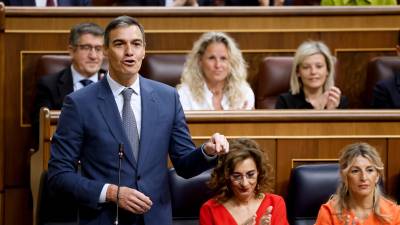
[
  {"x": 209, "y": 158},
  {"x": 103, "y": 193}
]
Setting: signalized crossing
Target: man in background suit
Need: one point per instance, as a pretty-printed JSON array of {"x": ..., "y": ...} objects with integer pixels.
[
  {"x": 86, "y": 50},
  {"x": 100, "y": 122},
  {"x": 386, "y": 93},
  {"x": 43, "y": 2}
]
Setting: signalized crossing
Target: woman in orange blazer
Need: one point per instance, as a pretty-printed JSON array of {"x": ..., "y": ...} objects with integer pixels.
[{"x": 358, "y": 199}]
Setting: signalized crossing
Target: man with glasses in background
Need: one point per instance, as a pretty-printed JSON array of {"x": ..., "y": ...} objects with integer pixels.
[{"x": 86, "y": 50}]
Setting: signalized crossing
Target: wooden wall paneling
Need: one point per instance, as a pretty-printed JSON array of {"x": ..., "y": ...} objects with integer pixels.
[
  {"x": 18, "y": 206},
  {"x": 393, "y": 167},
  {"x": 2, "y": 208},
  {"x": 359, "y": 39},
  {"x": 353, "y": 70},
  {"x": 288, "y": 149},
  {"x": 2, "y": 77},
  {"x": 269, "y": 148},
  {"x": 19, "y": 92},
  {"x": 2, "y": 85}
]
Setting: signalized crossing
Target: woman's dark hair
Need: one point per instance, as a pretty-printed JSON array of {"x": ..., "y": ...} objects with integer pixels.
[{"x": 240, "y": 150}]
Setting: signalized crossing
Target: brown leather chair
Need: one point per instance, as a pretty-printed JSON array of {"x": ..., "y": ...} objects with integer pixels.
[
  {"x": 165, "y": 68},
  {"x": 273, "y": 80},
  {"x": 50, "y": 64},
  {"x": 378, "y": 68}
]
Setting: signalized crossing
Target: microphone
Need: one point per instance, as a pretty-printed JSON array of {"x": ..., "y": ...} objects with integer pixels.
[{"x": 120, "y": 156}]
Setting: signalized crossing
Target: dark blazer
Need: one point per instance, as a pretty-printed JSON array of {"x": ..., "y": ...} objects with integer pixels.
[
  {"x": 50, "y": 93},
  {"x": 298, "y": 101},
  {"x": 59, "y": 2},
  {"x": 90, "y": 130},
  {"x": 386, "y": 93}
]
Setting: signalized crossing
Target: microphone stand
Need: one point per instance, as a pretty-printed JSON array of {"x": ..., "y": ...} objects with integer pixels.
[{"x": 120, "y": 156}]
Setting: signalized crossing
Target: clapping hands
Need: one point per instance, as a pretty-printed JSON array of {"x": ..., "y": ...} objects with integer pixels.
[
  {"x": 265, "y": 219},
  {"x": 332, "y": 97}
]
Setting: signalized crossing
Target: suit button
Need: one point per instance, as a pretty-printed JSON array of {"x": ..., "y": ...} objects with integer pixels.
[{"x": 138, "y": 177}]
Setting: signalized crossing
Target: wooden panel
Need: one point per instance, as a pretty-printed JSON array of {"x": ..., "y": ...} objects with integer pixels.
[
  {"x": 2, "y": 78},
  {"x": 18, "y": 206},
  {"x": 1, "y": 208},
  {"x": 353, "y": 71},
  {"x": 393, "y": 166}
]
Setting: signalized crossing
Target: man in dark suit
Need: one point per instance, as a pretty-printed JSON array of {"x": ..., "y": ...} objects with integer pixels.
[
  {"x": 86, "y": 50},
  {"x": 55, "y": 3},
  {"x": 386, "y": 93},
  {"x": 125, "y": 113}
]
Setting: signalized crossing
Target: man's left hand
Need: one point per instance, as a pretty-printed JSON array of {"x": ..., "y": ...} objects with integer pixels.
[{"x": 216, "y": 145}]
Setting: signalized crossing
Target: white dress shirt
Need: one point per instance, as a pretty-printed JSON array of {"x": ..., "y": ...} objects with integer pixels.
[
  {"x": 77, "y": 77},
  {"x": 42, "y": 3},
  {"x": 188, "y": 101}
]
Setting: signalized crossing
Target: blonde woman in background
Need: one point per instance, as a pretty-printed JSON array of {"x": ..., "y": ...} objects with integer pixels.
[
  {"x": 358, "y": 199},
  {"x": 312, "y": 80},
  {"x": 214, "y": 76}
]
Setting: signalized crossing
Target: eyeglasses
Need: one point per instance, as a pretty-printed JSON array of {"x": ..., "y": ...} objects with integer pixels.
[
  {"x": 238, "y": 178},
  {"x": 89, "y": 48}
]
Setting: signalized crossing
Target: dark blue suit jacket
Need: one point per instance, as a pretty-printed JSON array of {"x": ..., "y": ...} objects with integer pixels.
[
  {"x": 59, "y": 2},
  {"x": 386, "y": 93},
  {"x": 90, "y": 130}
]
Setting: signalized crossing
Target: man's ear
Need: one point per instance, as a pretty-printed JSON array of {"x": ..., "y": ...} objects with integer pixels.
[{"x": 71, "y": 50}]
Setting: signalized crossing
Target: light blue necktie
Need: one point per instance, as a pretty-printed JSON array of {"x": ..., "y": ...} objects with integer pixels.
[{"x": 129, "y": 122}]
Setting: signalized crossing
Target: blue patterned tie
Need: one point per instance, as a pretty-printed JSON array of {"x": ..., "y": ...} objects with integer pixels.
[
  {"x": 86, "y": 82},
  {"x": 129, "y": 122}
]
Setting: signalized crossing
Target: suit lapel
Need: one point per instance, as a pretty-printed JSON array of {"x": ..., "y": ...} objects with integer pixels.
[
  {"x": 109, "y": 110},
  {"x": 149, "y": 119},
  {"x": 65, "y": 84}
]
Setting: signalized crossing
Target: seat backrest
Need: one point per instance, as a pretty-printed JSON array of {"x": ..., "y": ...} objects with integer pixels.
[
  {"x": 187, "y": 196},
  {"x": 165, "y": 68},
  {"x": 310, "y": 186},
  {"x": 379, "y": 68},
  {"x": 54, "y": 208},
  {"x": 50, "y": 64},
  {"x": 273, "y": 80}
]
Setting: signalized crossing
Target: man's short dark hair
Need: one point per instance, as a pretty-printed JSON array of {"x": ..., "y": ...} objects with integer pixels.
[
  {"x": 122, "y": 21},
  {"x": 84, "y": 28}
]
